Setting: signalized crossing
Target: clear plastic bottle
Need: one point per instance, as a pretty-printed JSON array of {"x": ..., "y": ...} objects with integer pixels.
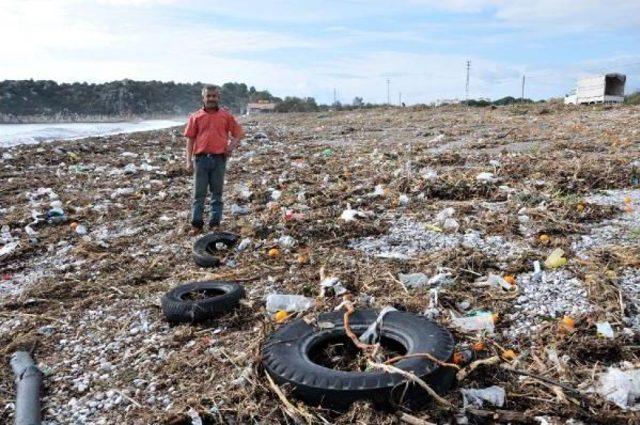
[{"x": 288, "y": 303}]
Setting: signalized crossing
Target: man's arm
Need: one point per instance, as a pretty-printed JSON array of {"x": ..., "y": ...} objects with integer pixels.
[
  {"x": 236, "y": 135},
  {"x": 189, "y": 153}
]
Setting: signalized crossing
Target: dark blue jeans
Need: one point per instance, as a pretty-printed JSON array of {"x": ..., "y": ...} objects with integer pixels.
[{"x": 208, "y": 171}]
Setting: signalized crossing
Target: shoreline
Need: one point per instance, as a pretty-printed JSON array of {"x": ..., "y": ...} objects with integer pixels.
[
  {"x": 7, "y": 119},
  {"x": 37, "y": 133}
]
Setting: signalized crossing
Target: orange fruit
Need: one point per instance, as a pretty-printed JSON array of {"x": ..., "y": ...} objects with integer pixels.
[
  {"x": 509, "y": 355},
  {"x": 580, "y": 207},
  {"x": 510, "y": 279},
  {"x": 273, "y": 252},
  {"x": 280, "y": 316},
  {"x": 458, "y": 358},
  {"x": 544, "y": 239},
  {"x": 302, "y": 259},
  {"x": 73, "y": 226},
  {"x": 567, "y": 323}
]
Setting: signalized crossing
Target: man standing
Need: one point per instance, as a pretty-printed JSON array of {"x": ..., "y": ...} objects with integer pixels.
[{"x": 212, "y": 134}]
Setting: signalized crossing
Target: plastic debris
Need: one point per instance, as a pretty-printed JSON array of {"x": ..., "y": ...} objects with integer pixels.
[
  {"x": 440, "y": 279},
  {"x": 81, "y": 229},
  {"x": 273, "y": 252},
  {"x": 493, "y": 395},
  {"x": 486, "y": 178},
  {"x": 122, "y": 191},
  {"x": 334, "y": 284},
  {"x": 377, "y": 192},
  {"x": 620, "y": 387},
  {"x": 130, "y": 169},
  {"x": 450, "y": 225},
  {"x": 445, "y": 214},
  {"x": 195, "y": 416},
  {"x": 537, "y": 272},
  {"x": 275, "y": 195},
  {"x": 351, "y": 214},
  {"x": 237, "y": 210},
  {"x": 371, "y": 334},
  {"x": 29, "y": 230},
  {"x": 288, "y": 303},
  {"x": 604, "y": 329},
  {"x": 413, "y": 280},
  {"x": 481, "y": 321},
  {"x": 556, "y": 259},
  {"x": 403, "y": 199},
  {"x": 500, "y": 282},
  {"x": 8, "y": 249},
  {"x": 244, "y": 244},
  {"x": 432, "y": 309},
  {"x": 287, "y": 242}
]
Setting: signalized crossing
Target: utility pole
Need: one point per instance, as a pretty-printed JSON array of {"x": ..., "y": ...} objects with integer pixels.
[
  {"x": 467, "y": 86},
  {"x": 388, "y": 98},
  {"x": 522, "y": 95},
  {"x": 334, "y": 95},
  {"x": 399, "y": 98}
]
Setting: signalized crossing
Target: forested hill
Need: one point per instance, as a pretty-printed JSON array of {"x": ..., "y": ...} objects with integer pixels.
[{"x": 21, "y": 98}]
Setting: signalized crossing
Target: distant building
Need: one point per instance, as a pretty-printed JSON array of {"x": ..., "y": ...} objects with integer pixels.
[
  {"x": 607, "y": 88},
  {"x": 260, "y": 107}
]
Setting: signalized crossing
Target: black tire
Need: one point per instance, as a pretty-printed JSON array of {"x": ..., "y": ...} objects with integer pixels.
[
  {"x": 204, "y": 247},
  {"x": 286, "y": 357},
  {"x": 217, "y": 298}
]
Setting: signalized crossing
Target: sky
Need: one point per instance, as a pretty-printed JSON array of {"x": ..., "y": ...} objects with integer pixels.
[{"x": 312, "y": 48}]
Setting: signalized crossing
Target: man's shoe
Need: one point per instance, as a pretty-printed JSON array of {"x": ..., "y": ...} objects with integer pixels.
[
  {"x": 214, "y": 225},
  {"x": 195, "y": 231}
]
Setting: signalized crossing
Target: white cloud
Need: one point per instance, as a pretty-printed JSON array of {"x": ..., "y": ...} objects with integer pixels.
[{"x": 99, "y": 40}]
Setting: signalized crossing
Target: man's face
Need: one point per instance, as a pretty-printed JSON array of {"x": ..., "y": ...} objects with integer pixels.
[{"x": 211, "y": 98}]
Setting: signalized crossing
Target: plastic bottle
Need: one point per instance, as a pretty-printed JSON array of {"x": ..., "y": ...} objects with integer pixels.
[
  {"x": 475, "y": 323},
  {"x": 288, "y": 303}
]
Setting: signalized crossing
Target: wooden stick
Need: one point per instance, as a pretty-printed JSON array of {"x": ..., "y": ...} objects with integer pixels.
[
  {"x": 392, "y": 369},
  {"x": 412, "y": 420},
  {"x": 361, "y": 345},
  {"x": 398, "y": 282},
  {"x": 427, "y": 355},
  {"x": 483, "y": 362},
  {"x": 292, "y": 411}
]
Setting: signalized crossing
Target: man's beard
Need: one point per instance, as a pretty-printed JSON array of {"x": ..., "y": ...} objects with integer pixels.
[{"x": 215, "y": 107}]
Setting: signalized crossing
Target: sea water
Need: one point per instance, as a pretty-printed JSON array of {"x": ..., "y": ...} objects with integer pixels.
[{"x": 19, "y": 134}]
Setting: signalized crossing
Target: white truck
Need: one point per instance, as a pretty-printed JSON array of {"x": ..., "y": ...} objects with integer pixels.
[{"x": 607, "y": 88}]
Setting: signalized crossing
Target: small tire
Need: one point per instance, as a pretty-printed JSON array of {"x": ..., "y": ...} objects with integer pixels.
[
  {"x": 286, "y": 358},
  {"x": 217, "y": 298},
  {"x": 202, "y": 248}
]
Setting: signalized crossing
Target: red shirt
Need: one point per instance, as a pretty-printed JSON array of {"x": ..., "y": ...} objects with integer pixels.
[{"x": 211, "y": 130}]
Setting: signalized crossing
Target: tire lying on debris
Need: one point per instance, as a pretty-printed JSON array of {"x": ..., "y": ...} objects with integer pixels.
[
  {"x": 199, "y": 301},
  {"x": 204, "y": 248},
  {"x": 292, "y": 355}
]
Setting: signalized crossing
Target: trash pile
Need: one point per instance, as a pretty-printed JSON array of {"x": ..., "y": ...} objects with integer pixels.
[{"x": 515, "y": 229}]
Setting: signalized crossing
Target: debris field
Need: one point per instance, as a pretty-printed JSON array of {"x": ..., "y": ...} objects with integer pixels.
[{"x": 437, "y": 211}]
